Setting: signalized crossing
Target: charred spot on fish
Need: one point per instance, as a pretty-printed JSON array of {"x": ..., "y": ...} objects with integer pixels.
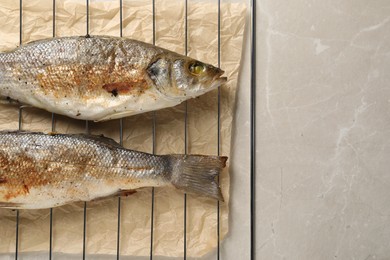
[
  {"x": 26, "y": 189},
  {"x": 114, "y": 92},
  {"x": 78, "y": 114},
  {"x": 117, "y": 88},
  {"x": 126, "y": 193}
]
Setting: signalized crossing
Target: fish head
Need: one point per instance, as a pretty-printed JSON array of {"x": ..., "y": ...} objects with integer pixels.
[{"x": 178, "y": 76}]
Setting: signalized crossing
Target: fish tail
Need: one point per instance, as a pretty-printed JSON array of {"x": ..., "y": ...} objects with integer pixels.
[{"x": 197, "y": 174}]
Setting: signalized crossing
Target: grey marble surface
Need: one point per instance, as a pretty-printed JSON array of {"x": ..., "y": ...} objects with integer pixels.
[{"x": 323, "y": 182}]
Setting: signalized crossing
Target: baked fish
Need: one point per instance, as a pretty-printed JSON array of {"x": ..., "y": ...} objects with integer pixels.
[
  {"x": 101, "y": 78},
  {"x": 47, "y": 170}
]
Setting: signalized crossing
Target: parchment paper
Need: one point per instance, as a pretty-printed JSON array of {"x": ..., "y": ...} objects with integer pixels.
[{"x": 137, "y": 130}]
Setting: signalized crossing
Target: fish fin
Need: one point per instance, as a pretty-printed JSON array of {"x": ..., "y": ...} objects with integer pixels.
[
  {"x": 10, "y": 205},
  {"x": 119, "y": 115},
  {"x": 197, "y": 174},
  {"x": 8, "y": 101},
  {"x": 122, "y": 193},
  {"x": 36, "y": 41},
  {"x": 97, "y": 138},
  {"x": 126, "y": 193},
  {"x": 100, "y": 138}
]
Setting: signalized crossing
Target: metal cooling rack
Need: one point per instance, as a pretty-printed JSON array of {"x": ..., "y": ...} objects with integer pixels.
[{"x": 252, "y": 136}]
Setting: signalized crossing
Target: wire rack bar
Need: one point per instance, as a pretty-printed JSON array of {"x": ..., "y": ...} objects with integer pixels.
[
  {"x": 20, "y": 128},
  {"x": 219, "y": 126},
  {"x": 185, "y": 126},
  {"x": 85, "y": 206},
  {"x": 151, "y": 226},
  {"x": 17, "y": 235},
  {"x": 87, "y": 131},
  {"x": 17, "y": 211},
  {"x": 119, "y": 198},
  {"x": 54, "y": 19},
  {"x": 51, "y": 235},
  {"x": 118, "y": 228},
  {"x": 154, "y": 141},
  {"x": 253, "y": 131},
  {"x": 87, "y": 3},
  {"x": 120, "y": 142},
  {"x": 20, "y": 22},
  {"x": 84, "y": 230},
  {"x": 53, "y": 130}
]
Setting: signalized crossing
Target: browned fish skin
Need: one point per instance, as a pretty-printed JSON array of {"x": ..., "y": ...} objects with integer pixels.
[
  {"x": 42, "y": 171},
  {"x": 67, "y": 68},
  {"x": 100, "y": 78}
]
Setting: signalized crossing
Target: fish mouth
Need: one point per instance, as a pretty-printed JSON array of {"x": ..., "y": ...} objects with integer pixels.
[
  {"x": 218, "y": 80},
  {"x": 209, "y": 84}
]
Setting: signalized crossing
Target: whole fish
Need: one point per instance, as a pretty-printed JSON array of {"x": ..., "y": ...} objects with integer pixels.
[
  {"x": 47, "y": 170},
  {"x": 101, "y": 78}
]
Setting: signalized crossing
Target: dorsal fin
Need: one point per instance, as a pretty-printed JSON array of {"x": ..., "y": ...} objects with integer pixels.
[
  {"x": 99, "y": 138},
  {"x": 10, "y": 205}
]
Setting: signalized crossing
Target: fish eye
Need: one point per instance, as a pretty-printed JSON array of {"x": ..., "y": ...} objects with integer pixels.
[{"x": 196, "y": 68}]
